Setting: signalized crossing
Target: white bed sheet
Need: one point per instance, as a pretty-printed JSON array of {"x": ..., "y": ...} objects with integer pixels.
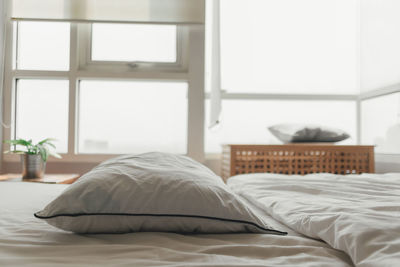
[
  {"x": 25, "y": 240},
  {"x": 358, "y": 214}
]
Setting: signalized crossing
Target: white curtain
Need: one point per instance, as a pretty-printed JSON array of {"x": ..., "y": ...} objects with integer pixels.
[
  {"x": 2, "y": 47},
  {"x": 139, "y": 11},
  {"x": 2, "y": 57},
  {"x": 215, "y": 97}
]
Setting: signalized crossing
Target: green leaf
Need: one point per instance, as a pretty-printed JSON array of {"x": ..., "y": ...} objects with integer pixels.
[
  {"x": 47, "y": 141},
  {"x": 42, "y": 148},
  {"x": 44, "y": 153},
  {"x": 20, "y": 142},
  {"x": 54, "y": 154},
  {"x": 50, "y": 144}
]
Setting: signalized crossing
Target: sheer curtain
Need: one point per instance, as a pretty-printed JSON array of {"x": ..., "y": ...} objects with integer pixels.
[
  {"x": 2, "y": 46},
  {"x": 2, "y": 56},
  {"x": 215, "y": 68}
]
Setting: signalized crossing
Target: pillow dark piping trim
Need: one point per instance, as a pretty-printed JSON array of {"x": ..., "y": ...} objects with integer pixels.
[{"x": 162, "y": 215}]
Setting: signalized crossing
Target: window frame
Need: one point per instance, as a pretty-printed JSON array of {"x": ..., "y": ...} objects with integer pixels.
[
  {"x": 86, "y": 62},
  {"x": 186, "y": 70},
  {"x": 190, "y": 44}
]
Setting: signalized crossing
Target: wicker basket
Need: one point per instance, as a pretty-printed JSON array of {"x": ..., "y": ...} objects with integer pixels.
[{"x": 296, "y": 159}]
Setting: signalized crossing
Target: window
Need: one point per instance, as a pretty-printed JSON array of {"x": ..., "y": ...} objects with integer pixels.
[
  {"x": 289, "y": 46},
  {"x": 136, "y": 87},
  {"x": 279, "y": 66},
  {"x": 380, "y": 123},
  {"x": 132, "y": 117},
  {"x": 42, "y": 111},
  {"x": 67, "y": 85},
  {"x": 129, "y": 42},
  {"x": 380, "y": 77},
  {"x": 380, "y": 42},
  {"x": 43, "y": 46},
  {"x": 246, "y": 121}
]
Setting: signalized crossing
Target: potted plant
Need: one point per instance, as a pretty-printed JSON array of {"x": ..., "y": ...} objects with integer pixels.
[{"x": 34, "y": 156}]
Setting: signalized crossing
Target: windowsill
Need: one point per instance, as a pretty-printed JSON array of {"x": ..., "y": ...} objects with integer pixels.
[{"x": 77, "y": 158}]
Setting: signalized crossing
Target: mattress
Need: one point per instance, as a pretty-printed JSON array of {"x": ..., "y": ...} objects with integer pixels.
[{"x": 25, "y": 240}]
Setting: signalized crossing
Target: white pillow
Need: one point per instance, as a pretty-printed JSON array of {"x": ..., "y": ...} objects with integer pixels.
[
  {"x": 151, "y": 192},
  {"x": 288, "y": 133}
]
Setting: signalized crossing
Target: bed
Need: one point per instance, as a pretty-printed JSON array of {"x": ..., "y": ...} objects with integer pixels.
[
  {"x": 331, "y": 220},
  {"x": 24, "y": 240}
]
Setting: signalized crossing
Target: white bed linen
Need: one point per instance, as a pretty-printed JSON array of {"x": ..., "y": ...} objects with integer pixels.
[
  {"x": 25, "y": 240},
  {"x": 358, "y": 214}
]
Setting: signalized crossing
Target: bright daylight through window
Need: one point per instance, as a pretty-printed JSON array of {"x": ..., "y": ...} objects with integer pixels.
[
  {"x": 113, "y": 116},
  {"x": 268, "y": 53},
  {"x": 47, "y": 100},
  {"x": 111, "y": 88},
  {"x": 43, "y": 46},
  {"x": 127, "y": 42},
  {"x": 137, "y": 114}
]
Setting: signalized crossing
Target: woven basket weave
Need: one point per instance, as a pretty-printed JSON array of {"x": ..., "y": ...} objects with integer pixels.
[{"x": 296, "y": 159}]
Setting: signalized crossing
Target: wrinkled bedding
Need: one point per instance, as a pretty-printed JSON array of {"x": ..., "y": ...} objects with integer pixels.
[
  {"x": 357, "y": 214},
  {"x": 25, "y": 240}
]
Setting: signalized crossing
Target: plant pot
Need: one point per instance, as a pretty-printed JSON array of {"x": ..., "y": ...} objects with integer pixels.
[{"x": 33, "y": 166}]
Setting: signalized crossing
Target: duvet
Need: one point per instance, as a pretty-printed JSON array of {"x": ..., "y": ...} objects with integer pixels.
[{"x": 357, "y": 214}]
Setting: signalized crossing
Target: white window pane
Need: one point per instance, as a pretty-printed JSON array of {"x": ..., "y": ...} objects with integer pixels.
[
  {"x": 380, "y": 123},
  {"x": 132, "y": 117},
  {"x": 246, "y": 121},
  {"x": 42, "y": 111},
  {"x": 380, "y": 42},
  {"x": 43, "y": 45},
  {"x": 289, "y": 46},
  {"x": 127, "y": 42}
]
